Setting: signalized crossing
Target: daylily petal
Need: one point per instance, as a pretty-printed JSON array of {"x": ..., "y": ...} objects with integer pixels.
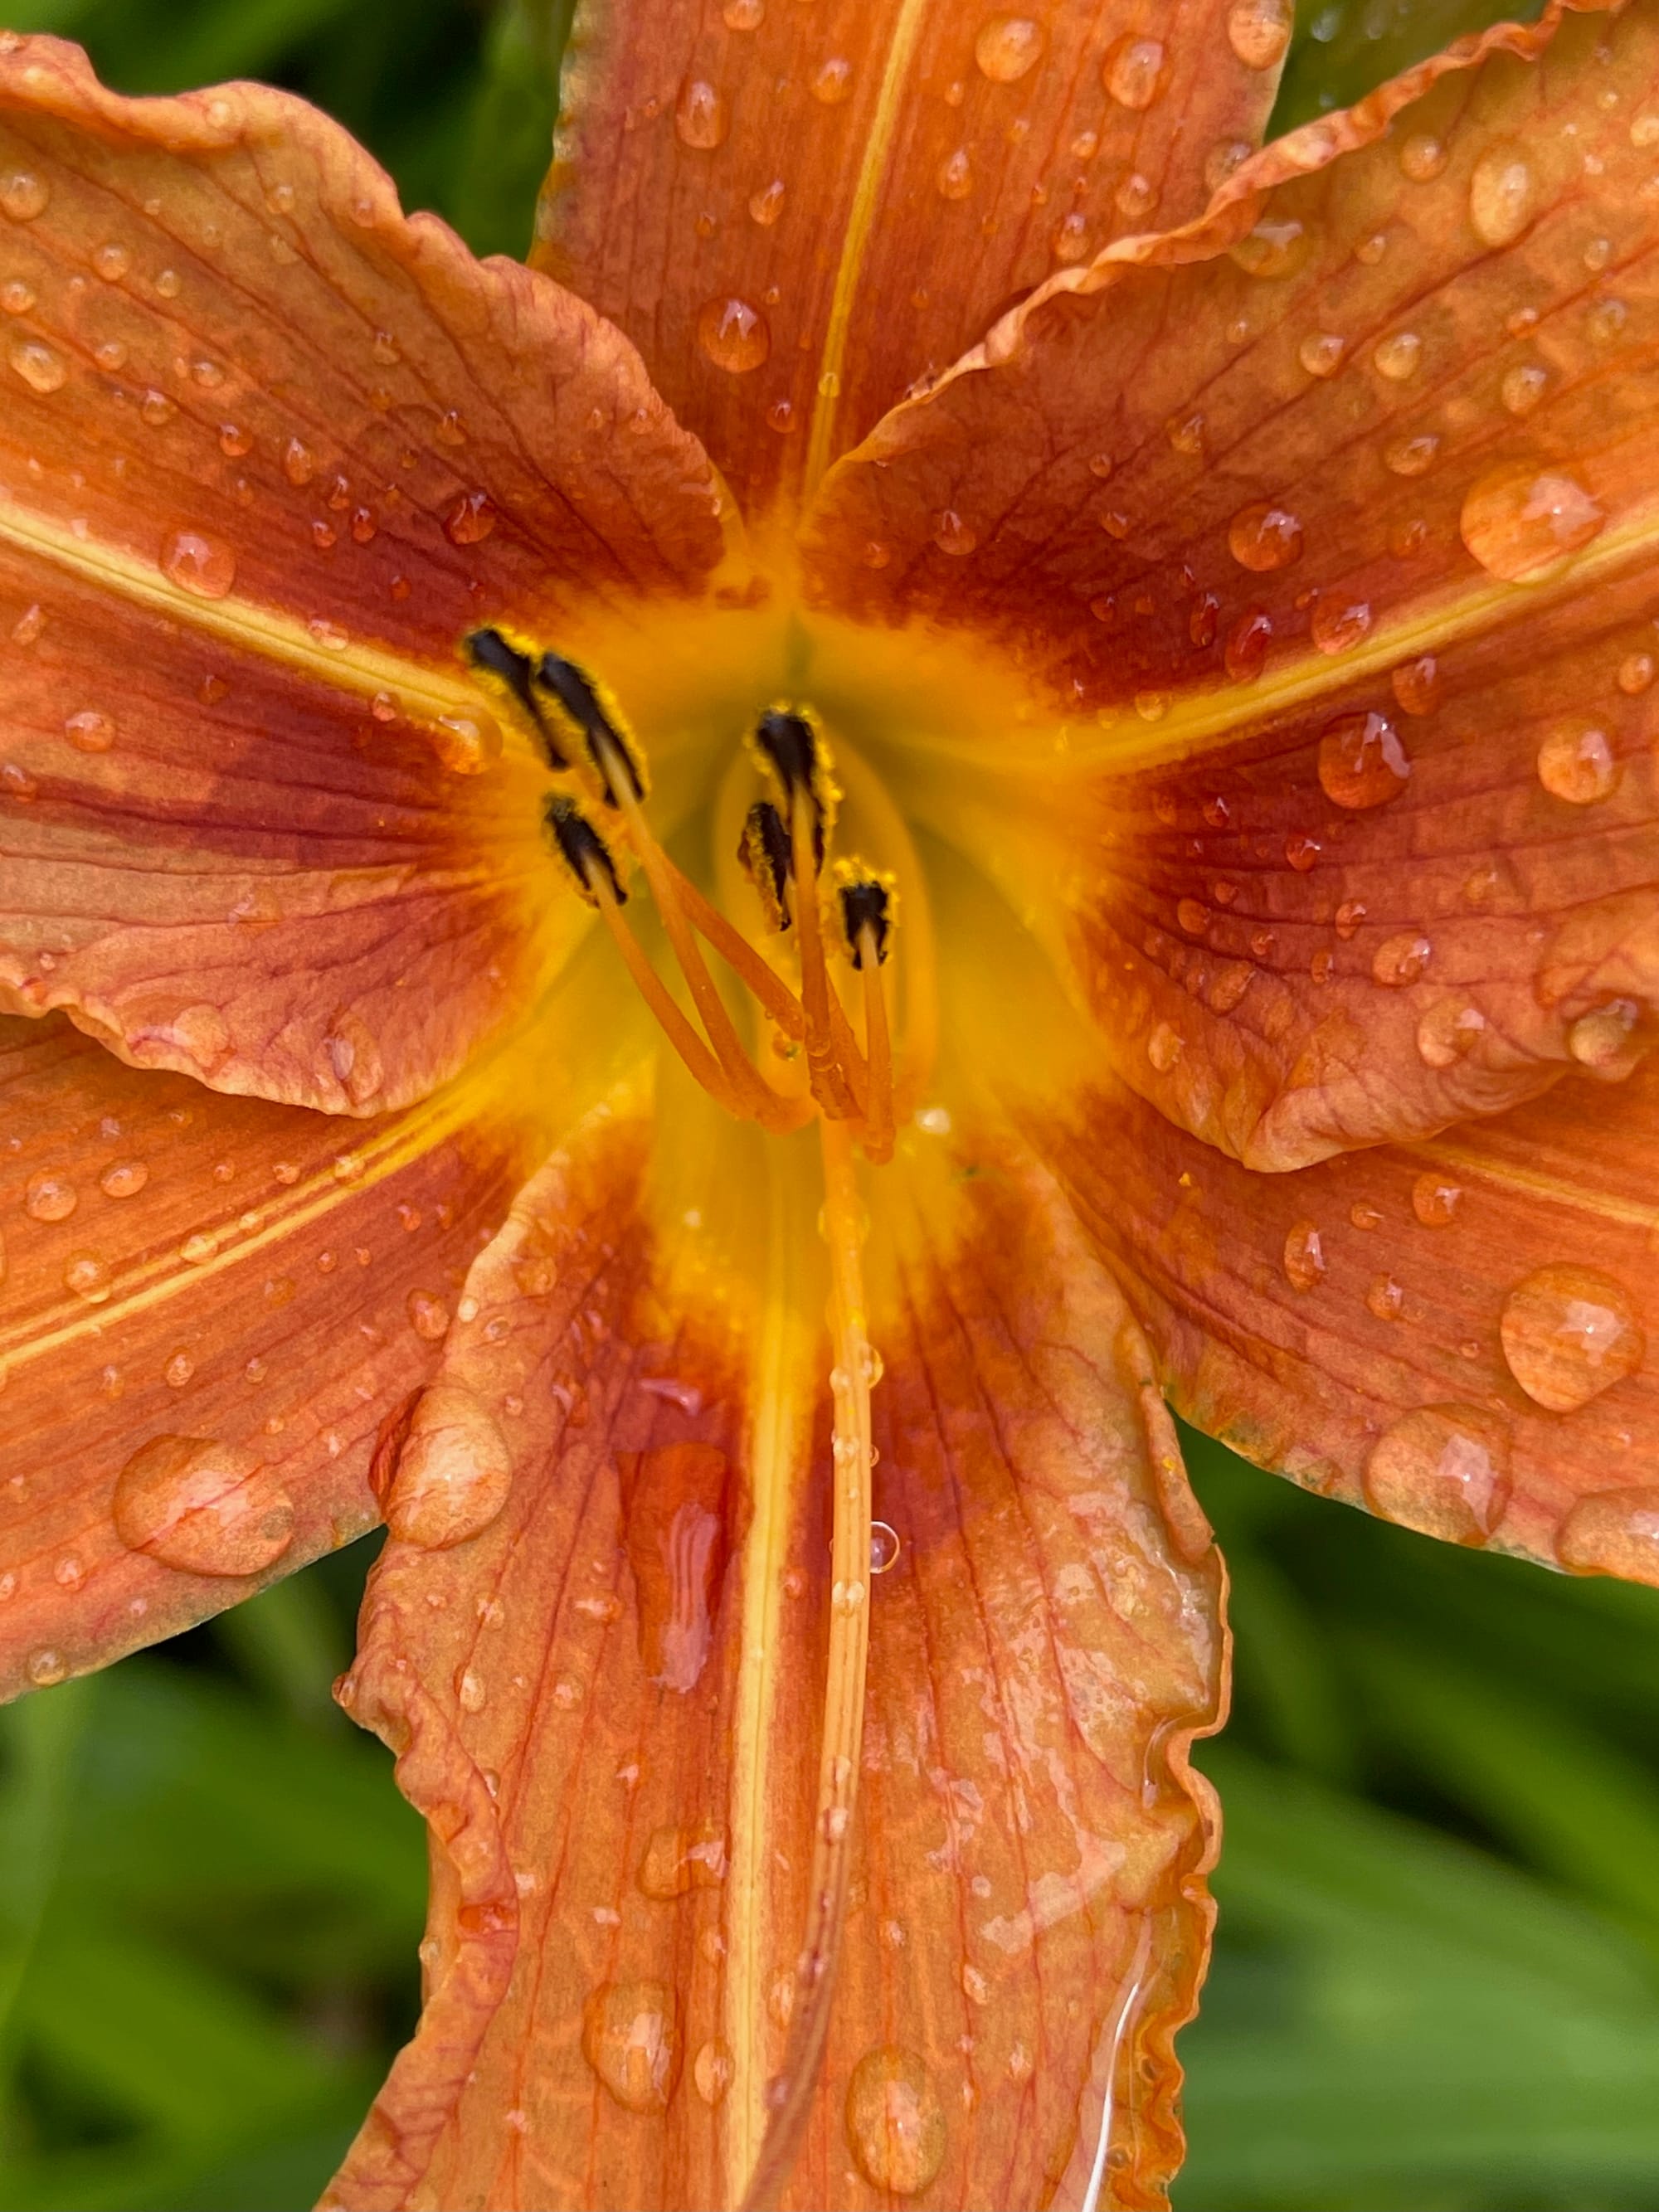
[
  {"x": 209, "y": 1307},
  {"x": 1356, "y": 573},
  {"x": 607, "y": 1703},
  {"x": 269, "y": 450},
  {"x": 1455, "y": 1334},
  {"x": 796, "y": 215}
]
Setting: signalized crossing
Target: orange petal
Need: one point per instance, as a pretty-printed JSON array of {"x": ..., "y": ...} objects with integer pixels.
[
  {"x": 1359, "y": 572},
  {"x": 208, "y": 1308},
  {"x": 267, "y": 451},
  {"x": 797, "y": 215},
  {"x": 1456, "y": 1334},
  {"x": 607, "y": 1704}
]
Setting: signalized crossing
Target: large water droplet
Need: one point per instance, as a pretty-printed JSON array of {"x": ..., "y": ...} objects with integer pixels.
[
  {"x": 895, "y": 2121},
  {"x": 123, "y": 1179},
  {"x": 89, "y": 731},
  {"x": 1443, "y": 1469},
  {"x": 955, "y": 177},
  {"x": 831, "y": 83},
  {"x": 1402, "y": 960},
  {"x": 203, "y": 565},
  {"x": 631, "y": 2038},
  {"x": 699, "y": 115},
  {"x": 453, "y": 1473},
  {"x": 733, "y": 334},
  {"x": 40, "y": 367},
  {"x": 1264, "y": 537},
  {"x": 23, "y": 195},
  {"x": 677, "y": 1859},
  {"x": 1570, "y": 1332},
  {"x": 1258, "y": 30},
  {"x": 1009, "y": 47},
  {"x": 1449, "y": 1032},
  {"x": 1502, "y": 195},
  {"x": 1362, "y": 762},
  {"x": 952, "y": 535},
  {"x": 1133, "y": 71},
  {"x": 1613, "y": 1532},
  {"x": 1523, "y": 524},
  {"x": 1576, "y": 763},
  {"x": 1398, "y": 356},
  {"x": 50, "y": 1198},
  {"x": 203, "y": 1507}
]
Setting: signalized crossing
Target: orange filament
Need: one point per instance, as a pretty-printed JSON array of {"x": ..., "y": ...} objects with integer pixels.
[
  {"x": 698, "y": 1058},
  {"x": 878, "y": 1051},
  {"x": 830, "y": 1051},
  {"x": 843, "y": 1737}
]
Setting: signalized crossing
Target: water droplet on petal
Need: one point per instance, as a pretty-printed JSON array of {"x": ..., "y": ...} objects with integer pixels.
[
  {"x": 50, "y": 1198},
  {"x": 1570, "y": 1332},
  {"x": 733, "y": 334},
  {"x": 1321, "y": 353},
  {"x": 631, "y": 2039},
  {"x": 955, "y": 177},
  {"x": 743, "y": 15},
  {"x": 1402, "y": 960},
  {"x": 428, "y": 1315},
  {"x": 1576, "y": 763},
  {"x": 884, "y": 1547},
  {"x": 1601, "y": 1040},
  {"x": 89, "y": 731},
  {"x": 1133, "y": 71},
  {"x": 1434, "y": 1200},
  {"x": 1303, "y": 1257},
  {"x": 23, "y": 195},
  {"x": 1264, "y": 537},
  {"x": 764, "y": 208},
  {"x": 203, "y": 565},
  {"x": 1613, "y": 1532},
  {"x": 699, "y": 115},
  {"x": 452, "y": 1474},
  {"x": 1278, "y": 246},
  {"x": 833, "y": 83},
  {"x": 711, "y": 2072},
  {"x": 895, "y": 2121},
  {"x": 1443, "y": 1469},
  {"x": 1416, "y": 685},
  {"x": 1449, "y": 1032},
  {"x": 677, "y": 1859},
  {"x": 470, "y": 519},
  {"x": 87, "y": 1277},
  {"x": 354, "y": 1059},
  {"x": 40, "y": 367},
  {"x": 1399, "y": 355},
  {"x": 123, "y": 1179},
  {"x": 203, "y": 1507},
  {"x": 1522, "y": 387},
  {"x": 1362, "y": 762},
  {"x": 1258, "y": 30},
  {"x": 1422, "y": 155},
  {"x": 1009, "y": 47},
  {"x": 1523, "y": 524},
  {"x": 1502, "y": 195},
  {"x": 45, "y": 1667},
  {"x": 952, "y": 535}
]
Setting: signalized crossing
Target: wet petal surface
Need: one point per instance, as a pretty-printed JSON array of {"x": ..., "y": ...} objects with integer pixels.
[
  {"x": 796, "y": 216},
  {"x": 607, "y": 1702},
  {"x": 208, "y": 1307}
]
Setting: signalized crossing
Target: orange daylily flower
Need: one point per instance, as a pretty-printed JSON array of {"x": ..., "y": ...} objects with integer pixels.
[{"x": 684, "y": 920}]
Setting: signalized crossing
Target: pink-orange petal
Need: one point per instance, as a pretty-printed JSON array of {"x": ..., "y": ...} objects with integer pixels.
[
  {"x": 1454, "y": 1333},
  {"x": 1363, "y": 600},
  {"x": 208, "y": 1307},
  {"x": 618, "y": 1900},
  {"x": 796, "y": 216},
  {"x": 269, "y": 451}
]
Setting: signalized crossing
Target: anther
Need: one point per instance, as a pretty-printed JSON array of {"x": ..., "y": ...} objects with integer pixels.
[
  {"x": 866, "y": 910},
  {"x": 584, "y": 851},
  {"x": 765, "y": 857},
  {"x": 495, "y": 655},
  {"x": 791, "y": 746},
  {"x": 590, "y": 723}
]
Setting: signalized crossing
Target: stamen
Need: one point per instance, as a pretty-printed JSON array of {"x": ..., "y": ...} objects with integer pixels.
[
  {"x": 494, "y": 657},
  {"x": 767, "y": 859},
  {"x": 592, "y": 724},
  {"x": 842, "y": 1738},
  {"x": 757, "y": 1099},
  {"x": 790, "y": 747},
  {"x": 584, "y": 851},
  {"x": 831, "y": 1052}
]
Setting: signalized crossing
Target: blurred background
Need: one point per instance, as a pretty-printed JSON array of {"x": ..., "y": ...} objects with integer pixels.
[{"x": 1437, "y": 1986}]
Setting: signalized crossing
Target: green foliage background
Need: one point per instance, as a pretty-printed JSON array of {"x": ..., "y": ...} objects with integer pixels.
[{"x": 1437, "y": 1986}]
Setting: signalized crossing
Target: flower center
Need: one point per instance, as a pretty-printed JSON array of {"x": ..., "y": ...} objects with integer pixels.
[{"x": 814, "y": 976}]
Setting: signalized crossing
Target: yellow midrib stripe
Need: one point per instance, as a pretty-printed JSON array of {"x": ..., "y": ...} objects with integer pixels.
[
  {"x": 167, "y": 1276},
  {"x": 906, "y": 31},
  {"x": 358, "y": 667},
  {"x": 1130, "y": 742}
]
